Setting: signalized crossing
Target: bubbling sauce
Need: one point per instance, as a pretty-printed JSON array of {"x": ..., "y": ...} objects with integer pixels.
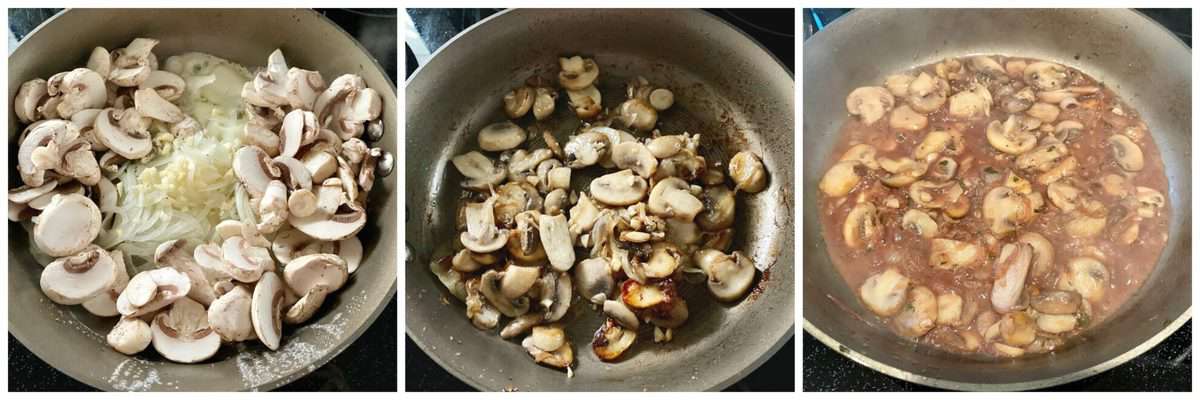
[{"x": 993, "y": 206}]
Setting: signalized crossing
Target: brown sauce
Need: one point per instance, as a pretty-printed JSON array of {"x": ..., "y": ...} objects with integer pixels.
[{"x": 1106, "y": 188}]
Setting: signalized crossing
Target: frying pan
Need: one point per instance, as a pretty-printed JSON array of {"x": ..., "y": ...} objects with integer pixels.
[
  {"x": 1142, "y": 62},
  {"x": 71, "y": 339},
  {"x": 727, "y": 88}
]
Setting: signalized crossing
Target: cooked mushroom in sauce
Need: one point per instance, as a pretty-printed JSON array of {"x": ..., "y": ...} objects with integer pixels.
[
  {"x": 991, "y": 205},
  {"x": 621, "y": 214}
]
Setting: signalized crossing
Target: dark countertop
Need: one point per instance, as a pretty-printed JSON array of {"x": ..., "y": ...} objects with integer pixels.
[
  {"x": 773, "y": 28},
  {"x": 1167, "y": 367},
  {"x": 369, "y": 364}
]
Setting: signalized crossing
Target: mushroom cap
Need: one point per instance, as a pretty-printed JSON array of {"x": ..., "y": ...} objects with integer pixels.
[
  {"x": 338, "y": 226},
  {"x": 75, "y": 279},
  {"x": 870, "y": 103},
  {"x": 168, "y": 85},
  {"x": 67, "y": 225},
  {"x": 149, "y": 103},
  {"x": 152, "y": 290},
  {"x": 556, "y": 240},
  {"x": 304, "y": 273},
  {"x": 109, "y": 131},
  {"x": 29, "y": 96},
  {"x": 636, "y": 157},
  {"x": 1011, "y": 269},
  {"x": 594, "y": 279},
  {"x": 174, "y": 254},
  {"x": 229, "y": 315},
  {"x": 81, "y": 89},
  {"x": 840, "y": 179},
  {"x": 129, "y": 336},
  {"x": 747, "y": 171},
  {"x": 254, "y": 169},
  {"x": 181, "y": 334},
  {"x": 517, "y": 280},
  {"x": 729, "y": 277},
  {"x": 307, "y": 305},
  {"x": 266, "y": 307},
  {"x": 577, "y": 72},
  {"x": 620, "y": 188},
  {"x": 884, "y": 293}
]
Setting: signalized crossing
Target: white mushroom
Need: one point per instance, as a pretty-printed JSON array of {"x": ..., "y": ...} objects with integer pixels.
[
  {"x": 174, "y": 254},
  {"x": 1126, "y": 153},
  {"x": 586, "y": 102},
  {"x": 482, "y": 236},
  {"x": 920, "y": 315},
  {"x": 747, "y": 171},
  {"x": 577, "y": 72},
  {"x": 168, "y": 85},
  {"x": 1045, "y": 75},
  {"x": 1005, "y": 210},
  {"x": 870, "y": 103},
  {"x": 884, "y": 293},
  {"x": 30, "y": 96},
  {"x": 729, "y": 276},
  {"x": 1043, "y": 252},
  {"x": 479, "y": 170},
  {"x": 840, "y": 179},
  {"x": 501, "y": 136},
  {"x": 543, "y": 103},
  {"x": 308, "y": 304},
  {"x": 620, "y": 188},
  {"x": 1010, "y": 136},
  {"x": 661, "y": 99},
  {"x": 1086, "y": 276},
  {"x": 182, "y": 333},
  {"x": 612, "y": 340},
  {"x": 595, "y": 282},
  {"x": 243, "y": 261},
  {"x": 862, "y": 226},
  {"x": 149, "y": 103},
  {"x": 920, "y": 223},
  {"x": 489, "y": 287},
  {"x": 307, "y": 272},
  {"x": 561, "y": 357},
  {"x": 1011, "y": 269},
  {"x": 927, "y": 93},
  {"x": 149, "y": 291},
  {"x": 67, "y": 225},
  {"x": 636, "y": 157},
  {"x": 229, "y": 315},
  {"x": 132, "y": 64},
  {"x": 346, "y": 222},
  {"x": 953, "y": 254},
  {"x": 75, "y": 279},
  {"x": 719, "y": 206},
  {"x": 129, "y": 336},
  {"x": 266, "y": 309},
  {"x": 81, "y": 89},
  {"x": 971, "y": 103},
  {"x": 1149, "y": 201},
  {"x": 904, "y": 118},
  {"x": 940, "y": 142},
  {"x": 556, "y": 240}
]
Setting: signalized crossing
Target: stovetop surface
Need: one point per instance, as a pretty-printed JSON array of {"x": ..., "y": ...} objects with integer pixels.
[
  {"x": 369, "y": 364},
  {"x": 1167, "y": 367},
  {"x": 434, "y": 27}
]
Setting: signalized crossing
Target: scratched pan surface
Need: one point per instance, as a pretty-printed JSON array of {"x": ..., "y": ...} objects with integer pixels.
[
  {"x": 72, "y": 340},
  {"x": 1141, "y": 61},
  {"x": 728, "y": 89}
]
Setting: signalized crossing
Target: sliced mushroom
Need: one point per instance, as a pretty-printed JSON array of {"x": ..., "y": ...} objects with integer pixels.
[
  {"x": 1051, "y": 323},
  {"x": 612, "y": 340},
  {"x": 636, "y": 157},
  {"x": 938, "y": 142},
  {"x": 586, "y": 102},
  {"x": 149, "y": 291},
  {"x": 719, "y": 206},
  {"x": 346, "y": 222},
  {"x": 884, "y": 293},
  {"x": 920, "y": 223},
  {"x": 1005, "y": 210},
  {"x": 1047, "y": 113},
  {"x": 243, "y": 261},
  {"x": 903, "y": 171},
  {"x": 266, "y": 310},
  {"x": 182, "y": 333},
  {"x": 517, "y": 102},
  {"x": 1086, "y": 276},
  {"x": 1056, "y": 302},
  {"x": 729, "y": 276},
  {"x": 935, "y": 195},
  {"x": 173, "y": 254},
  {"x": 1011, "y": 269},
  {"x": 1149, "y": 201},
  {"x": 661, "y": 99},
  {"x": 1010, "y": 136},
  {"x": 620, "y": 188},
  {"x": 840, "y": 179},
  {"x": 229, "y": 315},
  {"x": 577, "y": 72},
  {"x": 556, "y": 239},
  {"x": 305, "y": 273},
  {"x": 489, "y": 286},
  {"x": 307, "y": 305},
  {"x": 1045, "y": 75},
  {"x": 150, "y": 104},
  {"x": 501, "y": 136},
  {"x": 586, "y": 148},
  {"x": 971, "y": 103},
  {"x": 949, "y": 309},
  {"x": 953, "y": 254},
  {"x": 637, "y": 114},
  {"x": 67, "y": 225},
  {"x": 81, "y": 89},
  {"x": 75, "y": 279},
  {"x": 129, "y": 336},
  {"x": 30, "y": 96},
  {"x": 1043, "y": 252},
  {"x": 562, "y": 357},
  {"x": 920, "y": 315},
  {"x": 1126, "y": 153},
  {"x": 898, "y": 84},
  {"x": 927, "y": 93},
  {"x": 1017, "y": 329},
  {"x": 862, "y": 226},
  {"x": 870, "y": 103},
  {"x": 747, "y": 171},
  {"x": 672, "y": 198},
  {"x": 543, "y": 103},
  {"x": 594, "y": 280}
]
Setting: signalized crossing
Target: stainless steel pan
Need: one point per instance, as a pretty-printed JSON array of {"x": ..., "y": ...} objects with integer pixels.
[
  {"x": 728, "y": 89},
  {"x": 1141, "y": 61},
  {"x": 72, "y": 340}
]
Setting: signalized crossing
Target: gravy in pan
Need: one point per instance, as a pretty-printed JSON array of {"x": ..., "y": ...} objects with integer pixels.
[{"x": 993, "y": 205}]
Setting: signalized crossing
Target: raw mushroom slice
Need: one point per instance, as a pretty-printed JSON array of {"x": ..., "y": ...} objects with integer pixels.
[
  {"x": 132, "y": 64},
  {"x": 81, "y": 89},
  {"x": 112, "y": 128},
  {"x": 351, "y": 250},
  {"x": 174, "y": 254},
  {"x": 67, "y": 225},
  {"x": 333, "y": 227},
  {"x": 266, "y": 308},
  {"x": 501, "y": 136},
  {"x": 307, "y": 272},
  {"x": 129, "y": 336},
  {"x": 243, "y": 261},
  {"x": 182, "y": 334},
  {"x": 307, "y": 305},
  {"x": 517, "y": 280},
  {"x": 229, "y": 315},
  {"x": 1011, "y": 269},
  {"x": 480, "y": 171},
  {"x": 75, "y": 279},
  {"x": 30, "y": 96},
  {"x": 149, "y": 103},
  {"x": 168, "y": 85},
  {"x": 105, "y": 303},
  {"x": 149, "y": 291},
  {"x": 729, "y": 276},
  {"x": 254, "y": 170}
]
